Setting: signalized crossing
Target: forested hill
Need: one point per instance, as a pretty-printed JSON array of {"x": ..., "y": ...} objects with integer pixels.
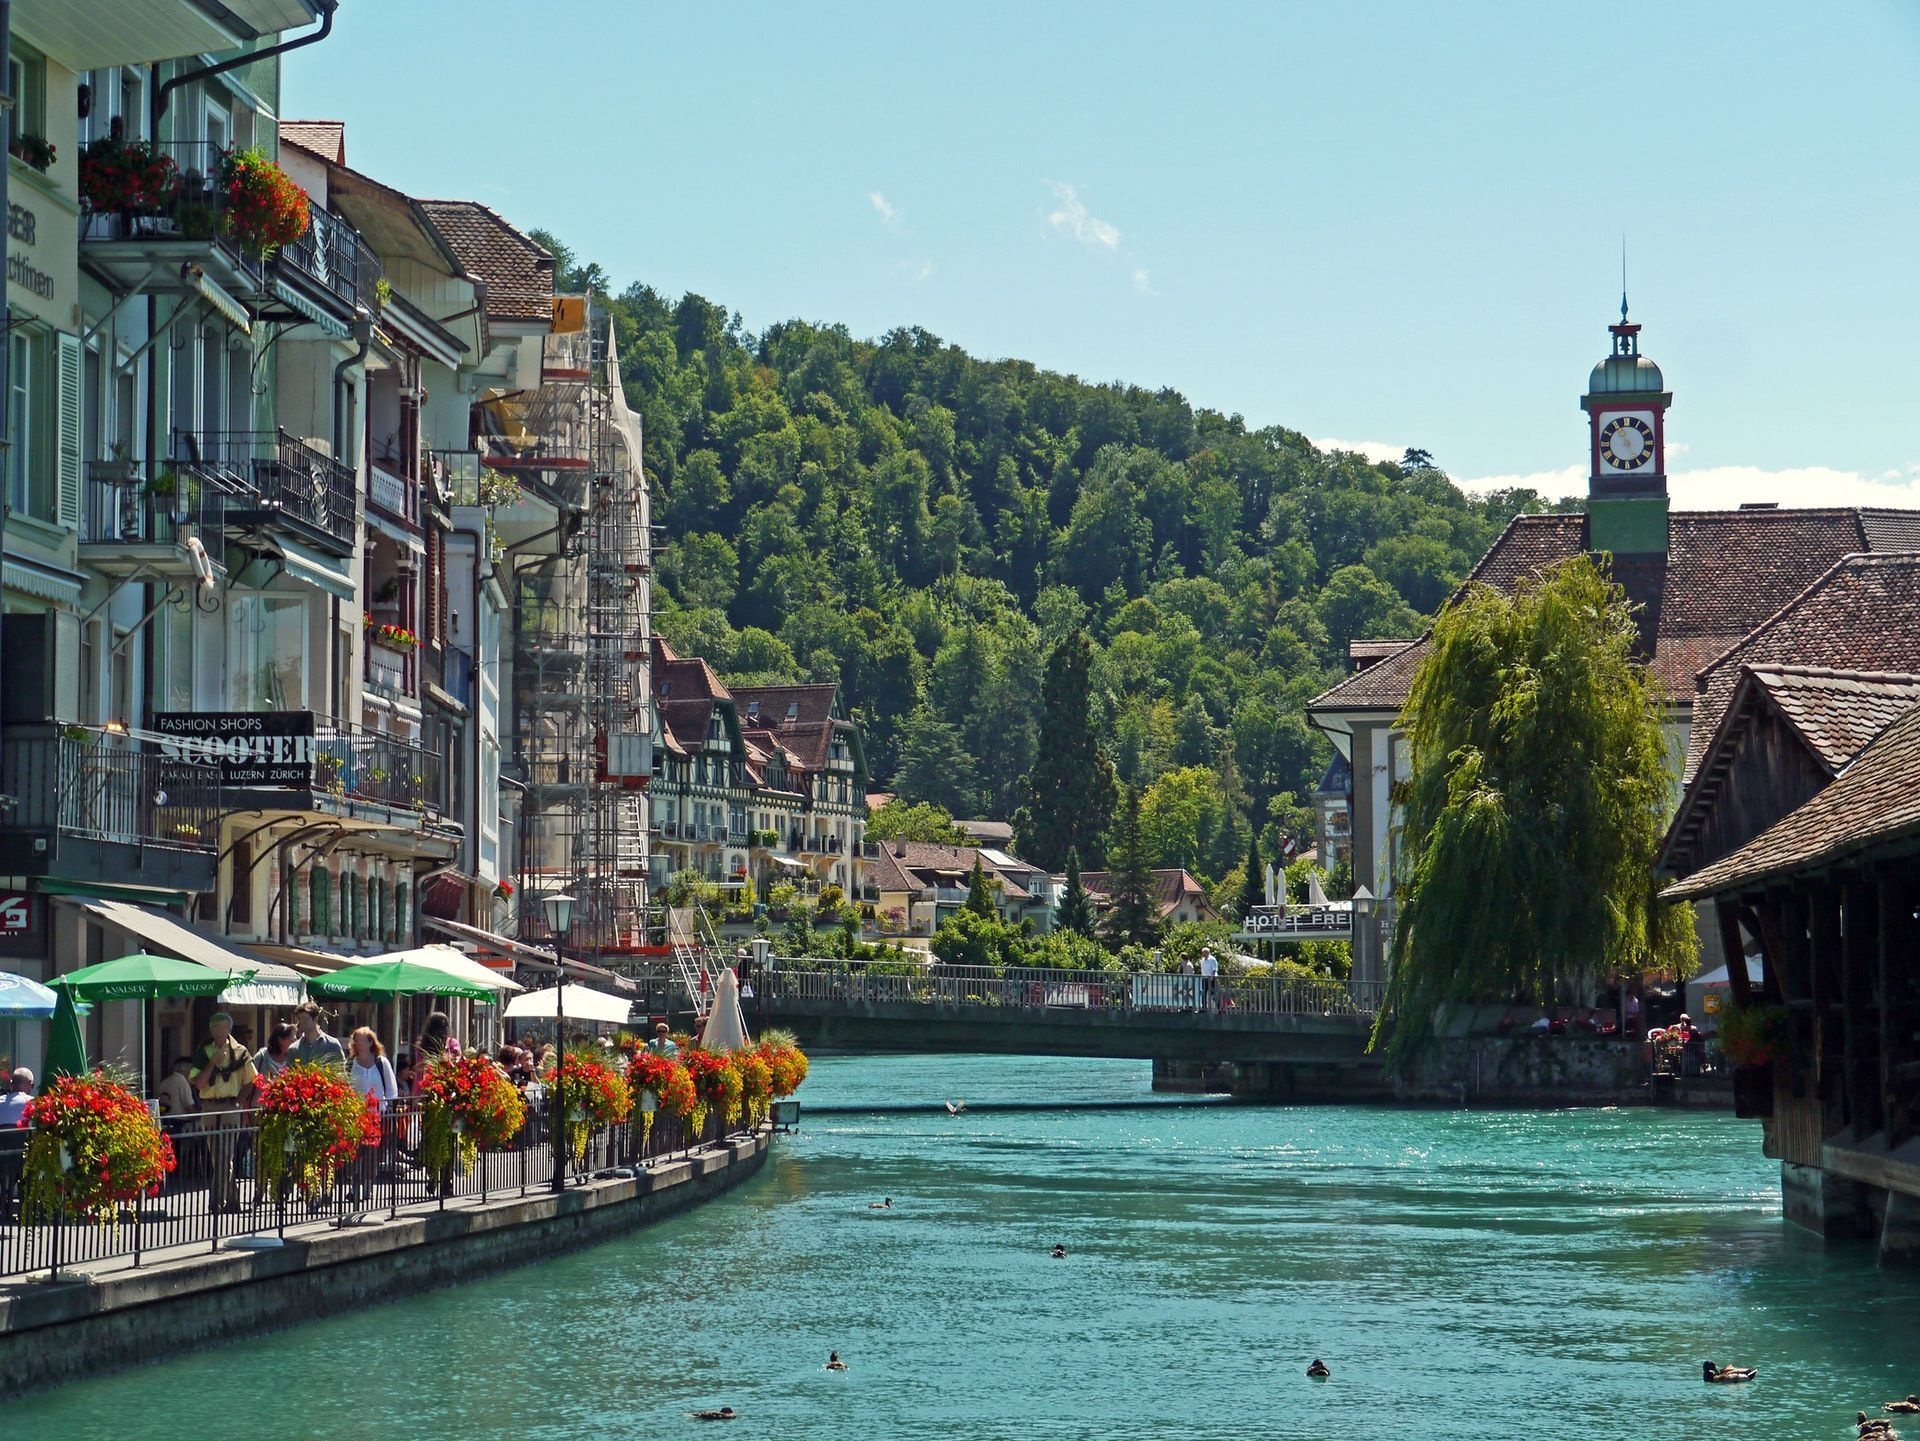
[{"x": 922, "y": 525}]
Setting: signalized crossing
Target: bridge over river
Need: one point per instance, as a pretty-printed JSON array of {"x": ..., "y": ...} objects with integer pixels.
[{"x": 1260, "y": 1035}]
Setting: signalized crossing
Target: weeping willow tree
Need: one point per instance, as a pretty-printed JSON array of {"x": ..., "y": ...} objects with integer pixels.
[{"x": 1537, "y": 799}]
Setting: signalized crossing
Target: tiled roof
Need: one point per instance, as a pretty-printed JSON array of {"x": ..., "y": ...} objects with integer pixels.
[
  {"x": 325, "y": 138},
  {"x": 1862, "y": 613},
  {"x": 516, "y": 270},
  {"x": 1875, "y": 801},
  {"x": 1371, "y": 651},
  {"x": 888, "y": 874},
  {"x": 1338, "y": 781},
  {"x": 1170, "y": 887},
  {"x": 1838, "y": 712},
  {"x": 988, "y": 833},
  {"x": 809, "y": 704},
  {"x": 1724, "y": 572}
]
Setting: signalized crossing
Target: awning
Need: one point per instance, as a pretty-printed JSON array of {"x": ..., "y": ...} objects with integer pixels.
[
  {"x": 443, "y": 957},
  {"x": 271, "y": 985},
  {"x": 525, "y": 954},
  {"x": 582, "y": 1003},
  {"x": 292, "y": 298},
  {"x": 232, "y": 309},
  {"x": 54, "y": 583},
  {"x": 324, "y": 572},
  {"x": 789, "y": 863},
  {"x": 100, "y": 891}
]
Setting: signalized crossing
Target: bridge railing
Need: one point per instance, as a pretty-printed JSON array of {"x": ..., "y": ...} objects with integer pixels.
[{"x": 811, "y": 982}]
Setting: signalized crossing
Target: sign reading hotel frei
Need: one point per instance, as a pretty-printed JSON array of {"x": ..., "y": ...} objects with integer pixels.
[{"x": 252, "y": 748}]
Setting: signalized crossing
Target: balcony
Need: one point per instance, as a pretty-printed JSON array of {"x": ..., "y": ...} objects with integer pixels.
[
  {"x": 89, "y": 806},
  {"x": 391, "y": 492},
  {"x": 168, "y": 226},
  {"x": 329, "y": 268},
  {"x": 129, "y": 524},
  {"x": 392, "y": 671},
  {"x": 355, "y": 764},
  {"x": 450, "y": 667},
  {"x": 273, "y": 479}
]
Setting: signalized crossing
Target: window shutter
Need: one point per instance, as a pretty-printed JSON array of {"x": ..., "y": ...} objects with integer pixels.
[{"x": 68, "y": 401}]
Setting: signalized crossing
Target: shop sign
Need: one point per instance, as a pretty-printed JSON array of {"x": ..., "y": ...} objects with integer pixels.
[
  {"x": 1276, "y": 922},
  {"x": 16, "y": 912},
  {"x": 251, "y": 748}
]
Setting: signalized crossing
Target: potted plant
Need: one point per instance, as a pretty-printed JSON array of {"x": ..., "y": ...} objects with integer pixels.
[
  {"x": 327, "y": 767},
  {"x": 661, "y": 1084},
  {"x": 313, "y": 1122},
  {"x": 125, "y": 178},
  {"x": 93, "y": 1148},
  {"x": 119, "y": 468},
  {"x": 34, "y": 150},
  {"x": 716, "y": 1083},
  {"x": 588, "y": 1094},
  {"x": 1753, "y": 1037},
  {"x": 382, "y": 293},
  {"x": 503, "y": 890},
  {"x": 466, "y": 1103},
  {"x": 265, "y": 210}
]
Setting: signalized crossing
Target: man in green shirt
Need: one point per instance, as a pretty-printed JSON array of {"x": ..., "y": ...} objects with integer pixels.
[{"x": 314, "y": 1044}]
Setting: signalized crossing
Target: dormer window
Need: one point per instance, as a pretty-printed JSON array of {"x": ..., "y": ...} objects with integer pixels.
[{"x": 753, "y": 710}]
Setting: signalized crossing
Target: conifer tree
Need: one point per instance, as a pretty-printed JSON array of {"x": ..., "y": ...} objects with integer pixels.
[
  {"x": 1075, "y": 911},
  {"x": 979, "y": 898},
  {"x": 1253, "y": 889},
  {"x": 1067, "y": 797},
  {"x": 1134, "y": 917}
]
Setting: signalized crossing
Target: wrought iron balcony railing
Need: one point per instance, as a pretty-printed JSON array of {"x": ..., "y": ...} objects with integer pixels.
[
  {"x": 273, "y": 474},
  {"x": 333, "y": 261},
  {"x": 165, "y": 191},
  {"x": 84, "y": 782}
]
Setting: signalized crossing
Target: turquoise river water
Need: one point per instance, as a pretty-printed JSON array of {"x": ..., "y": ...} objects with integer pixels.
[{"x": 1465, "y": 1274}]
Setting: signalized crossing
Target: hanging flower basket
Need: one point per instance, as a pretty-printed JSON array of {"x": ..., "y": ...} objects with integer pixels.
[
  {"x": 716, "y": 1082},
  {"x": 503, "y": 890},
  {"x": 1753, "y": 1035},
  {"x": 756, "y": 1085},
  {"x": 786, "y": 1060},
  {"x": 396, "y": 637},
  {"x": 665, "y": 1081},
  {"x": 585, "y": 1094},
  {"x": 94, "y": 1148},
  {"x": 314, "y": 1123},
  {"x": 124, "y": 177},
  {"x": 467, "y": 1104},
  {"x": 265, "y": 209}
]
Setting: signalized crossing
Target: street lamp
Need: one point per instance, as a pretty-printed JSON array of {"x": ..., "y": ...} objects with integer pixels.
[
  {"x": 1363, "y": 932},
  {"x": 558, "y": 906}
]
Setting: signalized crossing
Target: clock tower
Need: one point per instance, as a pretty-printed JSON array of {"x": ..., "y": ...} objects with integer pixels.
[{"x": 1626, "y": 407}]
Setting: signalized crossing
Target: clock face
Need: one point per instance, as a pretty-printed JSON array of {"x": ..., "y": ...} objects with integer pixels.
[{"x": 1626, "y": 442}]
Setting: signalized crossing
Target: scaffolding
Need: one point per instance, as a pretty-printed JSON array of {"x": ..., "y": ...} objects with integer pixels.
[{"x": 581, "y": 621}]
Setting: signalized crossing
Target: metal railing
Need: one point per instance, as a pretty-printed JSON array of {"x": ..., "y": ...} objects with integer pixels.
[
  {"x": 369, "y": 766},
  {"x": 332, "y": 257},
  {"x": 393, "y": 492},
  {"x": 162, "y": 511},
  {"x": 271, "y": 471},
  {"x": 804, "y": 981},
  {"x": 86, "y": 783},
  {"x": 184, "y": 200},
  {"x": 215, "y": 1193},
  {"x": 390, "y": 671}
]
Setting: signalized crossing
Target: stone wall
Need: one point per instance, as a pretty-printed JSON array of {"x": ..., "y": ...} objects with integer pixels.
[
  {"x": 1527, "y": 1070},
  {"x": 53, "y": 1332}
]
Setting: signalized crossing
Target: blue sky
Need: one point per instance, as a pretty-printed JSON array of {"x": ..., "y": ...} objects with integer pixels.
[{"x": 1391, "y": 224}]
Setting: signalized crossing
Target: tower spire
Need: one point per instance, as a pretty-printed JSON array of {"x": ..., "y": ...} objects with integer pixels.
[{"x": 1623, "y": 279}]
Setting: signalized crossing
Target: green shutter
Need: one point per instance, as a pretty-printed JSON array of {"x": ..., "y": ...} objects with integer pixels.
[{"x": 68, "y": 430}]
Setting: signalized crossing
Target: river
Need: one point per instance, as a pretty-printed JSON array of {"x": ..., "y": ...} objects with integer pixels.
[{"x": 1465, "y": 1275}]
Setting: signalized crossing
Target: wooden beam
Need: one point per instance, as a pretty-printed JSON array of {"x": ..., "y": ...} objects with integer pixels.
[
  {"x": 1899, "y": 1014},
  {"x": 1824, "y": 987},
  {"x": 1731, "y": 913},
  {"x": 1859, "y": 951}
]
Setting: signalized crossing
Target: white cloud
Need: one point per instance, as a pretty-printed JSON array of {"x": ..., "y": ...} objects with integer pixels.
[
  {"x": 1141, "y": 283},
  {"x": 1072, "y": 218},
  {"x": 888, "y": 212},
  {"x": 915, "y": 270},
  {"x": 1727, "y": 487},
  {"x": 1374, "y": 450}
]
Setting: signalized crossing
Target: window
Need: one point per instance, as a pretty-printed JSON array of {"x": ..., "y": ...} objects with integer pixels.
[
  {"x": 30, "y": 477},
  {"x": 27, "y": 77},
  {"x": 266, "y": 652},
  {"x": 132, "y": 112}
]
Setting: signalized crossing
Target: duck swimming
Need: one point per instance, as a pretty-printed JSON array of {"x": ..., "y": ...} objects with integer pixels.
[
  {"x": 1059, "y": 1253},
  {"x": 886, "y": 1205},
  {"x": 834, "y": 1363},
  {"x": 1908, "y": 1407},
  {"x": 1876, "y": 1426},
  {"x": 1727, "y": 1375},
  {"x": 725, "y": 1413},
  {"x": 1318, "y": 1370}
]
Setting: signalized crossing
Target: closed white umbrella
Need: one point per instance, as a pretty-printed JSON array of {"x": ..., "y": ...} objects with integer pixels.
[
  {"x": 451, "y": 959},
  {"x": 582, "y": 1003},
  {"x": 726, "y": 1028}
]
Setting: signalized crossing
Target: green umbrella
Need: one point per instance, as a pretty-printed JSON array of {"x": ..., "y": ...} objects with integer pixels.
[
  {"x": 386, "y": 980},
  {"x": 66, "y": 1050},
  {"x": 142, "y": 977}
]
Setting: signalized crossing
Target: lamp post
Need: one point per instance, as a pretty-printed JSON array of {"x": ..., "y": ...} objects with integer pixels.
[
  {"x": 558, "y": 906},
  {"x": 1363, "y": 933}
]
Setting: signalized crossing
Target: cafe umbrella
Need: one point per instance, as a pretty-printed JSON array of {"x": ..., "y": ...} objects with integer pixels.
[
  {"x": 143, "y": 977},
  {"x": 66, "y": 1048},
  {"x": 380, "y": 981},
  {"x": 22, "y": 998}
]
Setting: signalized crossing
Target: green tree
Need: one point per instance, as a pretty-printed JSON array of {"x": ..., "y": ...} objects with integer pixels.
[
  {"x": 934, "y": 765},
  {"x": 979, "y": 894},
  {"x": 910, "y": 821},
  {"x": 1133, "y": 913},
  {"x": 1075, "y": 911},
  {"x": 1253, "y": 889},
  {"x": 1067, "y": 798},
  {"x": 1535, "y": 805}
]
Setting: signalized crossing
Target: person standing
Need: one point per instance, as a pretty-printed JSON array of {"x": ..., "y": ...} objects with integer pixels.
[
  {"x": 1209, "y": 975},
  {"x": 223, "y": 1079},
  {"x": 372, "y": 1076},
  {"x": 662, "y": 1043},
  {"x": 274, "y": 1057},
  {"x": 315, "y": 1045},
  {"x": 13, "y": 1138}
]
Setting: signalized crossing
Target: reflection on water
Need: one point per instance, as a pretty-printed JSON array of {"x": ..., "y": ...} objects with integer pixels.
[{"x": 1464, "y": 1274}]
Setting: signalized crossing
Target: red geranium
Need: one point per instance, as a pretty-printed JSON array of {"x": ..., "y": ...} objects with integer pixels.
[
  {"x": 467, "y": 1102},
  {"x": 265, "y": 209},
  {"x": 95, "y": 1147},
  {"x": 586, "y": 1093},
  {"x": 314, "y": 1123}
]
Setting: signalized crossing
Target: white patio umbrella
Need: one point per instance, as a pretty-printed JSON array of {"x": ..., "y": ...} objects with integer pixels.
[
  {"x": 451, "y": 959},
  {"x": 726, "y": 1028},
  {"x": 582, "y": 1003}
]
